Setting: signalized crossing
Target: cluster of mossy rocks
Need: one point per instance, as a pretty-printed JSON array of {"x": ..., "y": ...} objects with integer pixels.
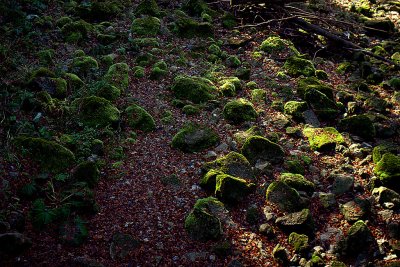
[{"x": 86, "y": 95}]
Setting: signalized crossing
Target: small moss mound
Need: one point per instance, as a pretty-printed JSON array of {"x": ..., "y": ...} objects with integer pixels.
[
  {"x": 285, "y": 197},
  {"x": 194, "y": 138},
  {"x": 298, "y": 182},
  {"x": 187, "y": 27},
  {"x": 388, "y": 171},
  {"x": 139, "y": 118},
  {"x": 100, "y": 11},
  {"x": 295, "y": 109},
  {"x": 360, "y": 125},
  {"x": 233, "y": 62},
  {"x": 277, "y": 45},
  {"x": 76, "y": 31},
  {"x": 382, "y": 149},
  {"x": 148, "y": 7},
  {"x": 195, "y": 7},
  {"x": 358, "y": 239},
  {"x": 60, "y": 88},
  {"x": 201, "y": 224},
  {"x": 296, "y": 66},
  {"x": 74, "y": 82},
  {"x": 229, "y": 86},
  {"x": 50, "y": 155},
  {"x": 83, "y": 64},
  {"x": 239, "y": 110},
  {"x": 87, "y": 172},
  {"x": 308, "y": 83},
  {"x": 234, "y": 164},
  {"x": 117, "y": 75},
  {"x": 258, "y": 148},
  {"x": 321, "y": 139},
  {"x": 107, "y": 91},
  {"x": 96, "y": 111},
  {"x": 228, "y": 20},
  {"x": 242, "y": 136},
  {"x": 230, "y": 189},
  {"x": 159, "y": 70},
  {"x": 147, "y": 26},
  {"x": 190, "y": 110},
  {"x": 195, "y": 89}
]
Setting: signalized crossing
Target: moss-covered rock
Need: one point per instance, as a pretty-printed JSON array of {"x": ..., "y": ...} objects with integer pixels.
[
  {"x": 117, "y": 75},
  {"x": 209, "y": 180},
  {"x": 258, "y": 96},
  {"x": 258, "y": 148},
  {"x": 107, "y": 91},
  {"x": 321, "y": 139},
  {"x": 296, "y": 66},
  {"x": 298, "y": 182},
  {"x": 242, "y": 136},
  {"x": 276, "y": 45},
  {"x": 96, "y": 111},
  {"x": 388, "y": 171},
  {"x": 394, "y": 83},
  {"x": 228, "y": 20},
  {"x": 233, "y": 62},
  {"x": 239, "y": 110},
  {"x": 284, "y": 197},
  {"x": 299, "y": 242},
  {"x": 60, "y": 86},
  {"x": 229, "y": 86},
  {"x": 76, "y": 31},
  {"x": 194, "y": 137},
  {"x": 360, "y": 125},
  {"x": 195, "y": 89},
  {"x": 148, "y": 7},
  {"x": 146, "y": 26},
  {"x": 230, "y": 189},
  {"x": 138, "y": 72},
  {"x": 190, "y": 110},
  {"x": 50, "y": 155},
  {"x": 74, "y": 83},
  {"x": 295, "y": 109},
  {"x": 100, "y": 10},
  {"x": 35, "y": 75},
  {"x": 233, "y": 163},
  {"x": 384, "y": 195},
  {"x": 87, "y": 172},
  {"x": 323, "y": 107},
  {"x": 187, "y": 27},
  {"x": 201, "y": 224},
  {"x": 382, "y": 149},
  {"x": 358, "y": 239},
  {"x": 138, "y": 118},
  {"x": 83, "y": 64},
  {"x": 308, "y": 83},
  {"x": 159, "y": 70},
  {"x": 195, "y": 7}
]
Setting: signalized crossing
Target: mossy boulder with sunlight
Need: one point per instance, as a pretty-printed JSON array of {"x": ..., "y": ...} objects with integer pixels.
[
  {"x": 230, "y": 189},
  {"x": 388, "y": 171},
  {"x": 193, "y": 88},
  {"x": 275, "y": 45},
  {"x": 258, "y": 148},
  {"x": 322, "y": 139},
  {"x": 296, "y": 66},
  {"x": 239, "y": 110},
  {"x": 233, "y": 163}
]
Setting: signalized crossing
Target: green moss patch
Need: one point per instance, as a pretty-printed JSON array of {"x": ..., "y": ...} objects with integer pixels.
[
  {"x": 296, "y": 66},
  {"x": 148, "y": 7},
  {"x": 276, "y": 45},
  {"x": 298, "y": 182},
  {"x": 117, "y": 75},
  {"x": 193, "y": 88},
  {"x": 295, "y": 109},
  {"x": 187, "y": 27},
  {"x": 388, "y": 171},
  {"x": 234, "y": 164},
  {"x": 96, "y": 111},
  {"x": 50, "y": 155},
  {"x": 147, "y": 26},
  {"x": 258, "y": 148},
  {"x": 321, "y": 139}
]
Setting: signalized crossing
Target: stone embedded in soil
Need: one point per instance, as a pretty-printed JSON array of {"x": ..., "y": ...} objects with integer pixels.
[
  {"x": 299, "y": 222},
  {"x": 194, "y": 138},
  {"x": 258, "y": 148},
  {"x": 299, "y": 242},
  {"x": 321, "y": 139},
  {"x": 341, "y": 183},
  {"x": 357, "y": 209},
  {"x": 385, "y": 195}
]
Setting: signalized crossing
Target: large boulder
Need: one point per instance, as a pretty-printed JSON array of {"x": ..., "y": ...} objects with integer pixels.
[
  {"x": 258, "y": 148},
  {"x": 97, "y": 112},
  {"x": 285, "y": 197},
  {"x": 195, "y": 89},
  {"x": 299, "y": 222},
  {"x": 50, "y": 155},
  {"x": 239, "y": 110},
  {"x": 138, "y": 118},
  {"x": 201, "y": 223},
  {"x": 360, "y": 125},
  {"x": 322, "y": 139},
  {"x": 230, "y": 189},
  {"x": 194, "y": 137},
  {"x": 234, "y": 164},
  {"x": 388, "y": 171}
]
